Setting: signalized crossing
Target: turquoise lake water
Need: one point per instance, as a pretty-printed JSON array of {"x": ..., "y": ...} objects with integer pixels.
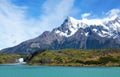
[{"x": 57, "y": 71}]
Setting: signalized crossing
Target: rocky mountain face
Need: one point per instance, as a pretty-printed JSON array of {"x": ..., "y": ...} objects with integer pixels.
[{"x": 85, "y": 34}]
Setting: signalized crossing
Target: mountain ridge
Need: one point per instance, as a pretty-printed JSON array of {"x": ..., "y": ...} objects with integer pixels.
[{"x": 85, "y": 33}]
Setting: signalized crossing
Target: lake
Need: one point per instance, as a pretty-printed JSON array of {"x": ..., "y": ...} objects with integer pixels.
[{"x": 57, "y": 71}]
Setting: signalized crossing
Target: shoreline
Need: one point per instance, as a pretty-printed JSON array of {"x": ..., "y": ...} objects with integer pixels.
[
  {"x": 73, "y": 65},
  {"x": 12, "y": 64}
]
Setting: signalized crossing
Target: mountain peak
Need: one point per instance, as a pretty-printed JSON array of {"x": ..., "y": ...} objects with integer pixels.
[
  {"x": 70, "y": 20},
  {"x": 68, "y": 28}
]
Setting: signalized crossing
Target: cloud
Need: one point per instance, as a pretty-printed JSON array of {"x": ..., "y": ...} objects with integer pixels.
[
  {"x": 12, "y": 24},
  {"x": 15, "y": 27},
  {"x": 113, "y": 12},
  {"x": 85, "y": 15},
  {"x": 55, "y": 12}
]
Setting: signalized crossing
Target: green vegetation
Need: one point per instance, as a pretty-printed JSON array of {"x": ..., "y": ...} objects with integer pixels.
[
  {"x": 67, "y": 57},
  {"x": 76, "y": 57},
  {"x": 8, "y": 58}
]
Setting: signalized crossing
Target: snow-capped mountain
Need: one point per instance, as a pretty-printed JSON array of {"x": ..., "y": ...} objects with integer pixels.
[
  {"x": 108, "y": 27},
  {"x": 73, "y": 33}
]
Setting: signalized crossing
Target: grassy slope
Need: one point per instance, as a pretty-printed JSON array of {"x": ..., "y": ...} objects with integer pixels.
[
  {"x": 8, "y": 58},
  {"x": 77, "y": 57}
]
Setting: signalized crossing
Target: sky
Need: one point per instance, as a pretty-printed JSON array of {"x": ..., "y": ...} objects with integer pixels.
[{"x": 21, "y": 20}]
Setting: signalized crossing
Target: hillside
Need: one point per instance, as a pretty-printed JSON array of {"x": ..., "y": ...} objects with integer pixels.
[
  {"x": 75, "y": 57},
  {"x": 9, "y": 58}
]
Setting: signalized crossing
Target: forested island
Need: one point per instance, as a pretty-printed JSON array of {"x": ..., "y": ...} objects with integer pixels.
[{"x": 68, "y": 57}]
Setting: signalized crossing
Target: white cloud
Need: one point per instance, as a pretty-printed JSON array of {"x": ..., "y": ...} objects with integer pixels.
[
  {"x": 15, "y": 28},
  {"x": 12, "y": 24},
  {"x": 106, "y": 17},
  {"x": 55, "y": 12},
  {"x": 113, "y": 12},
  {"x": 85, "y": 15}
]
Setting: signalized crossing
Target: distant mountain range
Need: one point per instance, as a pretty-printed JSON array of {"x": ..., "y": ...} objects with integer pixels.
[{"x": 73, "y": 33}]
